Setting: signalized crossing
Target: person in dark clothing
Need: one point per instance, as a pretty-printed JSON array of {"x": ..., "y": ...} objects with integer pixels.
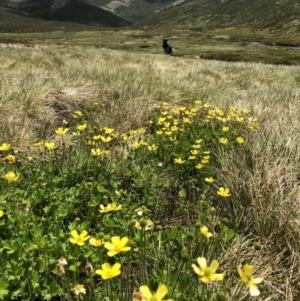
[{"x": 168, "y": 49}]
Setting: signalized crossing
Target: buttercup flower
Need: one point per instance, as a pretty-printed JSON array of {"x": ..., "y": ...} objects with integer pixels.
[
  {"x": 225, "y": 128},
  {"x": 50, "y": 146},
  {"x": 117, "y": 245},
  {"x": 105, "y": 139},
  {"x": 162, "y": 290},
  {"x": 61, "y": 131},
  {"x": 199, "y": 166},
  {"x": 247, "y": 277},
  {"x": 96, "y": 152},
  {"x": 81, "y": 127},
  {"x": 223, "y": 192},
  {"x": 207, "y": 273},
  {"x": 115, "y": 207},
  {"x": 209, "y": 180},
  {"x": 204, "y": 231},
  {"x": 79, "y": 289},
  {"x": 79, "y": 239},
  {"x": 105, "y": 209},
  {"x": 1, "y": 213},
  {"x": 4, "y": 147},
  {"x": 108, "y": 271},
  {"x": 11, "y": 176},
  {"x": 178, "y": 161},
  {"x": 240, "y": 140},
  {"x": 223, "y": 140}
]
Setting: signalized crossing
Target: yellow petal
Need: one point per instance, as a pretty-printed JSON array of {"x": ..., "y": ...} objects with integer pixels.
[
  {"x": 74, "y": 233},
  {"x": 248, "y": 268},
  {"x": 146, "y": 292},
  {"x": 258, "y": 280},
  {"x": 115, "y": 240},
  {"x": 124, "y": 241},
  {"x": 202, "y": 262},
  {"x": 161, "y": 291},
  {"x": 214, "y": 265}
]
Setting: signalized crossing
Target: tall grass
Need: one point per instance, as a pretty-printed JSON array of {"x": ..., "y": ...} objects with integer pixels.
[{"x": 41, "y": 87}]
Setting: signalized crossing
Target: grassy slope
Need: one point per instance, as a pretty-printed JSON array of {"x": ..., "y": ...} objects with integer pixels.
[
  {"x": 11, "y": 21},
  {"x": 38, "y": 82},
  {"x": 78, "y": 12},
  {"x": 250, "y": 19}
]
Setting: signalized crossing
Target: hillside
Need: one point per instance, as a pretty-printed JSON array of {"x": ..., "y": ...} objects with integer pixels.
[
  {"x": 212, "y": 14},
  {"x": 131, "y": 10},
  {"x": 12, "y": 21},
  {"x": 38, "y": 18}
]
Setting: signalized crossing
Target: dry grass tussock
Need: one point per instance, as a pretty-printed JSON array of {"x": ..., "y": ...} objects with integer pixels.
[{"x": 41, "y": 87}]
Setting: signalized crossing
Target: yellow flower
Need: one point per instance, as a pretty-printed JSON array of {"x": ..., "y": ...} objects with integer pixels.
[
  {"x": 223, "y": 140},
  {"x": 205, "y": 159},
  {"x": 223, "y": 192},
  {"x": 107, "y": 130},
  {"x": 199, "y": 166},
  {"x": 96, "y": 242},
  {"x": 61, "y": 131},
  {"x": 4, "y": 147},
  {"x": 178, "y": 161},
  {"x": 10, "y": 159},
  {"x": 198, "y": 141},
  {"x": 207, "y": 273},
  {"x": 209, "y": 180},
  {"x": 117, "y": 245},
  {"x": 115, "y": 207},
  {"x": 11, "y": 176},
  {"x": 141, "y": 130},
  {"x": 152, "y": 147},
  {"x": 225, "y": 128},
  {"x": 106, "y": 139},
  {"x": 246, "y": 276},
  {"x": 194, "y": 152},
  {"x": 197, "y": 102},
  {"x": 79, "y": 239},
  {"x": 240, "y": 140},
  {"x": 162, "y": 290},
  {"x": 79, "y": 289},
  {"x": 98, "y": 137},
  {"x": 109, "y": 271},
  {"x": 204, "y": 231},
  {"x": 50, "y": 146},
  {"x": 191, "y": 157},
  {"x": 240, "y": 119},
  {"x": 1, "y": 213},
  {"x": 96, "y": 152},
  {"x": 159, "y": 132},
  {"x": 81, "y": 127},
  {"x": 106, "y": 209},
  {"x": 78, "y": 113}
]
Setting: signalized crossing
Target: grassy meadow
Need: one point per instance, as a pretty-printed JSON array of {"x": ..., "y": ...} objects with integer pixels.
[{"x": 125, "y": 173}]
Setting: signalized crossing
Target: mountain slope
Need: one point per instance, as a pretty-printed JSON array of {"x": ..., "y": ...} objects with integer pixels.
[
  {"x": 131, "y": 10},
  {"x": 212, "y": 14}
]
